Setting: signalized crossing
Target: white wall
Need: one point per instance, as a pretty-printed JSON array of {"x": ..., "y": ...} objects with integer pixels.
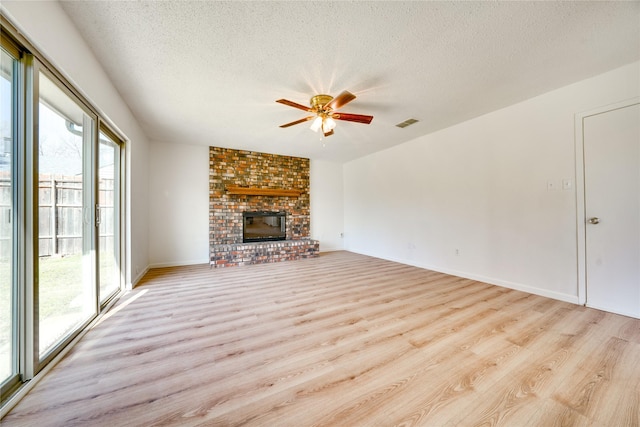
[
  {"x": 327, "y": 204},
  {"x": 178, "y": 204},
  {"x": 49, "y": 29},
  {"x": 473, "y": 200}
]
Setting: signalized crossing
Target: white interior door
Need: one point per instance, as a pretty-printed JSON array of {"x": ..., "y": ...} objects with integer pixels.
[{"x": 612, "y": 210}]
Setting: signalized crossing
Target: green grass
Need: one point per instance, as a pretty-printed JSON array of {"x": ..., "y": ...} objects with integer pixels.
[
  {"x": 5, "y": 300},
  {"x": 60, "y": 285},
  {"x": 5, "y": 319}
]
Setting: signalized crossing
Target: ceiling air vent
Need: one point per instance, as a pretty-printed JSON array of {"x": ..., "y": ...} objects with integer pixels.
[{"x": 406, "y": 123}]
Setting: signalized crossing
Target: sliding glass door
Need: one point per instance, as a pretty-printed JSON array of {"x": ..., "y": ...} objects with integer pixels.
[
  {"x": 8, "y": 295},
  {"x": 108, "y": 214},
  {"x": 66, "y": 283}
]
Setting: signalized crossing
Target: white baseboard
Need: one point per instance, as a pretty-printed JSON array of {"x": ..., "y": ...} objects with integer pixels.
[
  {"x": 177, "y": 263},
  {"x": 324, "y": 250},
  {"x": 573, "y": 299},
  {"x": 614, "y": 310},
  {"x": 136, "y": 279}
]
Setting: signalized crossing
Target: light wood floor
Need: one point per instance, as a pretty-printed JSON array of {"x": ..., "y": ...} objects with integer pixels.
[{"x": 341, "y": 340}]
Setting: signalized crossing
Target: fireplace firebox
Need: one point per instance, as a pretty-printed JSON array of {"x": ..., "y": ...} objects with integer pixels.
[{"x": 261, "y": 226}]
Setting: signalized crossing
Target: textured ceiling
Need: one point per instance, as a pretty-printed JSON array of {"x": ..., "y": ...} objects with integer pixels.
[{"x": 209, "y": 72}]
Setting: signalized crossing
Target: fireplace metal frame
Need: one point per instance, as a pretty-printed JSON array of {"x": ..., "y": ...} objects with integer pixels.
[{"x": 282, "y": 235}]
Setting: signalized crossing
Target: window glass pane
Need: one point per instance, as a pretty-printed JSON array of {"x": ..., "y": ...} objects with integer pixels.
[
  {"x": 108, "y": 184},
  {"x": 66, "y": 291},
  {"x": 7, "y": 288}
]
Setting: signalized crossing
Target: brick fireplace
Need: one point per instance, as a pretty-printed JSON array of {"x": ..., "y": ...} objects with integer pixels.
[{"x": 241, "y": 181}]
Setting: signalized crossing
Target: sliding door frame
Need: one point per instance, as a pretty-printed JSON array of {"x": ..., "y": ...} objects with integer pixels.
[
  {"x": 15, "y": 215},
  {"x": 89, "y": 239},
  {"x": 118, "y": 214}
]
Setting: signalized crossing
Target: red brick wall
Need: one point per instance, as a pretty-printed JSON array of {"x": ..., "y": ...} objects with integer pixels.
[{"x": 253, "y": 169}]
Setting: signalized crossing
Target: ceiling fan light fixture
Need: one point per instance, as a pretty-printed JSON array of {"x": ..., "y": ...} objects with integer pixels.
[
  {"x": 328, "y": 124},
  {"x": 317, "y": 123}
]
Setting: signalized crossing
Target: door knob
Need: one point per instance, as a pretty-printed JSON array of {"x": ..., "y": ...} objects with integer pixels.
[{"x": 594, "y": 220}]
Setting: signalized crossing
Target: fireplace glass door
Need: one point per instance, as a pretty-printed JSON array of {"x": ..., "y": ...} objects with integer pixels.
[{"x": 264, "y": 226}]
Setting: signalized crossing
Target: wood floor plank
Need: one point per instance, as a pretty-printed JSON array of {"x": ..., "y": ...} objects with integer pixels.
[{"x": 340, "y": 340}]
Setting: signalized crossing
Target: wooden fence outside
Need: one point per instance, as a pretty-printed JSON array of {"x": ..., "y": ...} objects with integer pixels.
[{"x": 60, "y": 215}]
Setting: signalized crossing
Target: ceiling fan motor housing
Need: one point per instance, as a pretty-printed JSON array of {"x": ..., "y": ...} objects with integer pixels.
[{"x": 319, "y": 101}]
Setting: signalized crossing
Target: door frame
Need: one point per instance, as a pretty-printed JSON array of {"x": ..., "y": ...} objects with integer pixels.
[{"x": 581, "y": 220}]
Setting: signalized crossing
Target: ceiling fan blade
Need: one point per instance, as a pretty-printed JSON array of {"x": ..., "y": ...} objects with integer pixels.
[
  {"x": 293, "y": 104},
  {"x": 359, "y": 118},
  {"x": 329, "y": 133},
  {"x": 344, "y": 98},
  {"x": 306, "y": 119}
]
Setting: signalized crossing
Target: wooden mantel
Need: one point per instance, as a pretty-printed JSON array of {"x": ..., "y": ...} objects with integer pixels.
[{"x": 255, "y": 191}]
